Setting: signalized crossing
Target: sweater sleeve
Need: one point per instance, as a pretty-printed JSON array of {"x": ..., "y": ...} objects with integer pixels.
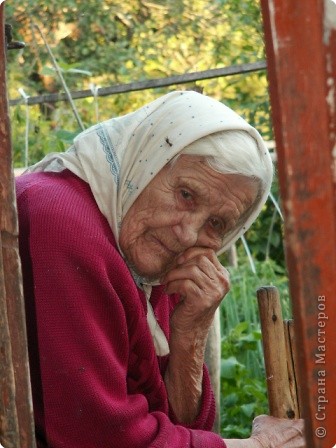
[{"x": 93, "y": 371}]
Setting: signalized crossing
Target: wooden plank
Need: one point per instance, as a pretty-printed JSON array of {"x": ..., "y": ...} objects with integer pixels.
[
  {"x": 9, "y": 427},
  {"x": 301, "y": 52},
  {"x": 280, "y": 398},
  {"x": 17, "y": 428},
  {"x": 292, "y": 365}
]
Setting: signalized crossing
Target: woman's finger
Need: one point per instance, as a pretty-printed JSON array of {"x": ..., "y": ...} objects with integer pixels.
[
  {"x": 209, "y": 282},
  {"x": 193, "y": 252}
]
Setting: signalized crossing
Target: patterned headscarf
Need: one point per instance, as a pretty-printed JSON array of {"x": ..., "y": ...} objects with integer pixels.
[{"x": 119, "y": 157}]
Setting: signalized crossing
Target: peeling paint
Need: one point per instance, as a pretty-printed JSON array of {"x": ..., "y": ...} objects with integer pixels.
[
  {"x": 331, "y": 95},
  {"x": 334, "y": 151},
  {"x": 273, "y": 26},
  {"x": 329, "y": 27},
  {"x": 3, "y": 128},
  {"x": 329, "y": 19},
  {"x": 329, "y": 63},
  {"x": 333, "y": 163}
]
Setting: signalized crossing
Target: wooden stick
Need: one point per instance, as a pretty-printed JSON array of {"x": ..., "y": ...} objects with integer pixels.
[
  {"x": 281, "y": 403},
  {"x": 16, "y": 417},
  {"x": 291, "y": 364}
]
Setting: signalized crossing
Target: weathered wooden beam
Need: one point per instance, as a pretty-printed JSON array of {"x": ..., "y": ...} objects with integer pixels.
[
  {"x": 16, "y": 417},
  {"x": 292, "y": 364},
  {"x": 278, "y": 358},
  {"x": 9, "y": 428},
  {"x": 301, "y": 60},
  {"x": 147, "y": 84}
]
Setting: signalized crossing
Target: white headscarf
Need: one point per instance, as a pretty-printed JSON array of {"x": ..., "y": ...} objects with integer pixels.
[{"x": 119, "y": 157}]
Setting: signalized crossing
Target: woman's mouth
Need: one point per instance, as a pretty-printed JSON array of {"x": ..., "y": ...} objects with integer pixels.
[{"x": 163, "y": 245}]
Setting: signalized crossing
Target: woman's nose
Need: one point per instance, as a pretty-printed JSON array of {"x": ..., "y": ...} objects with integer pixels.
[{"x": 187, "y": 230}]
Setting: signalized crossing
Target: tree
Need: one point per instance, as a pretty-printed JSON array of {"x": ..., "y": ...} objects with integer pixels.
[{"x": 119, "y": 42}]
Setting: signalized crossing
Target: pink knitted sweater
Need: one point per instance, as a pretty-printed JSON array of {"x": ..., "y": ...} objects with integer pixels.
[{"x": 97, "y": 382}]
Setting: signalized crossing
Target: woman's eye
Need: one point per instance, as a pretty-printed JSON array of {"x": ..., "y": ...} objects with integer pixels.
[
  {"x": 186, "y": 195},
  {"x": 216, "y": 224}
]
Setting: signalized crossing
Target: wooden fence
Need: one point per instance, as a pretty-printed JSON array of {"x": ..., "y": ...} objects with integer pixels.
[{"x": 16, "y": 416}]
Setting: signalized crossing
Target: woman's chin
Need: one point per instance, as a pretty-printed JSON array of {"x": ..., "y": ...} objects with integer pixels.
[
  {"x": 149, "y": 276},
  {"x": 151, "y": 272}
]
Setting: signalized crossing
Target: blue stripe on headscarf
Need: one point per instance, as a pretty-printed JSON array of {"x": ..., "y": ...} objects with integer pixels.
[{"x": 110, "y": 153}]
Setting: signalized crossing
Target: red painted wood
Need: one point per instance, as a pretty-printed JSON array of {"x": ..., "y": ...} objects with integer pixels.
[{"x": 301, "y": 57}]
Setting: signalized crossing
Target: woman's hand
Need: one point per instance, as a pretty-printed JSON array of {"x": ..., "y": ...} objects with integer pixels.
[
  {"x": 271, "y": 432},
  {"x": 276, "y": 432},
  {"x": 202, "y": 282}
]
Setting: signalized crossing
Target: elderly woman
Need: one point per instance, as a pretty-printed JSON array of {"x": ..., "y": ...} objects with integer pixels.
[{"x": 118, "y": 240}]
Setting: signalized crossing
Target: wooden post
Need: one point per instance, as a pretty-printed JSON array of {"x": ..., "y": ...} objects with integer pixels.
[
  {"x": 281, "y": 384},
  {"x": 292, "y": 365},
  {"x": 301, "y": 59},
  {"x": 16, "y": 417}
]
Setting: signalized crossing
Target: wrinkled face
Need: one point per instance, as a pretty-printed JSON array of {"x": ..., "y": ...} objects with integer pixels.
[{"x": 186, "y": 204}]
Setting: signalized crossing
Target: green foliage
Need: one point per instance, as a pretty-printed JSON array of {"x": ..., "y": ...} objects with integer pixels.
[
  {"x": 108, "y": 42},
  {"x": 140, "y": 38},
  {"x": 243, "y": 386},
  {"x": 243, "y": 392},
  {"x": 265, "y": 237},
  {"x": 243, "y": 398}
]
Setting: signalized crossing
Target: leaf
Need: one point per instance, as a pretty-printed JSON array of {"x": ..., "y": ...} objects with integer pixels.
[
  {"x": 50, "y": 71},
  {"x": 66, "y": 136},
  {"x": 241, "y": 328},
  {"x": 230, "y": 367},
  {"x": 79, "y": 71},
  {"x": 231, "y": 399},
  {"x": 248, "y": 409}
]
